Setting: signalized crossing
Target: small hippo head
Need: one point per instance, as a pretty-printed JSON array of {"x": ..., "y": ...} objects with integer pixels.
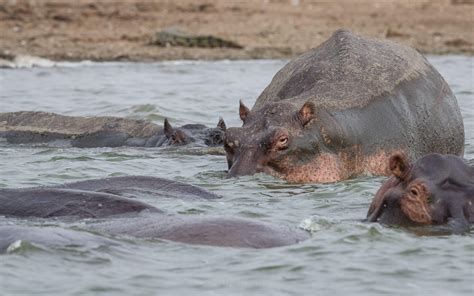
[
  {"x": 436, "y": 190},
  {"x": 190, "y": 133},
  {"x": 176, "y": 136},
  {"x": 215, "y": 136},
  {"x": 272, "y": 140}
]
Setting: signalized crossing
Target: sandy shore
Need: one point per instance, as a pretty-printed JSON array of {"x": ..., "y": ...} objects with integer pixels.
[{"x": 122, "y": 30}]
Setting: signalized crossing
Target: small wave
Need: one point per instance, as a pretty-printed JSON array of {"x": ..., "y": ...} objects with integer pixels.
[
  {"x": 28, "y": 61},
  {"x": 144, "y": 108},
  {"x": 118, "y": 156},
  {"x": 78, "y": 158},
  {"x": 20, "y": 246},
  {"x": 315, "y": 224},
  {"x": 76, "y": 64}
]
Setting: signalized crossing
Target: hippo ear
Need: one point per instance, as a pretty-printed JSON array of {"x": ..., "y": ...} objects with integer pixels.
[
  {"x": 168, "y": 128},
  {"x": 178, "y": 137},
  {"x": 221, "y": 124},
  {"x": 306, "y": 113},
  {"x": 399, "y": 165},
  {"x": 243, "y": 111}
]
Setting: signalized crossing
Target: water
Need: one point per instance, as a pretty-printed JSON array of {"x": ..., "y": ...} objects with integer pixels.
[{"x": 344, "y": 255}]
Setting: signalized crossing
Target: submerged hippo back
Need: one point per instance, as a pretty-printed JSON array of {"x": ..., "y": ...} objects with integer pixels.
[
  {"x": 53, "y": 202},
  {"x": 84, "y": 132},
  {"x": 140, "y": 186},
  {"x": 213, "y": 231},
  {"x": 12, "y": 237}
]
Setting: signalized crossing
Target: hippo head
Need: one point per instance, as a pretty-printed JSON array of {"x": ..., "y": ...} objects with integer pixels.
[
  {"x": 176, "y": 136},
  {"x": 190, "y": 133},
  {"x": 215, "y": 136},
  {"x": 436, "y": 190},
  {"x": 272, "y": 140}
]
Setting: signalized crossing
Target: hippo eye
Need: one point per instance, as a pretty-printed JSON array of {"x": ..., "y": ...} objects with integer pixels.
[
  {"x": 282, "y": 142},
  {"x": 414, "y": 191}
]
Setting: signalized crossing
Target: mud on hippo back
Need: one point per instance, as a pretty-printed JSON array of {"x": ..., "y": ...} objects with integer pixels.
[
  {"x": 436, "y": 190},
  {"x": 340, "y": 110}
]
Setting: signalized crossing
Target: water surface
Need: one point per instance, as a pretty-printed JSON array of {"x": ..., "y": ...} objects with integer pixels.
[{"x": 344, "y": 256}]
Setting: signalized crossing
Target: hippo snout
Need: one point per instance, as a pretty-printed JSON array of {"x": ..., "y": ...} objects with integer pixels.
[
  {"x": 244, "y": 164},
  {"x": 389, "y": 212}
]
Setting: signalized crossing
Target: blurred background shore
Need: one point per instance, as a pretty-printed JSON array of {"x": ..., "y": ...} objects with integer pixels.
[{"x": 138, "y": 30}]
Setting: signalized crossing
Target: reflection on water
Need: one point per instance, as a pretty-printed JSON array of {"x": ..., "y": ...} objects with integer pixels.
[{"x": 344, "y": 255}]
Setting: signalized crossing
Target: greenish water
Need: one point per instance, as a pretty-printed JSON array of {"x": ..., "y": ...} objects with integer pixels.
[{"x": 344, "y": 256}]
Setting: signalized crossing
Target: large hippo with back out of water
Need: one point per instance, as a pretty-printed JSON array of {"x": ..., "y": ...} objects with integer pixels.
[{"x": 338, "y": 111}]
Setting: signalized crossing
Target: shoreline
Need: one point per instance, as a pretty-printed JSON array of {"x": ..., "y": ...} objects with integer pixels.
[
  {"x": 263, "y": 29},
  {"x": 47, "y": 63}
]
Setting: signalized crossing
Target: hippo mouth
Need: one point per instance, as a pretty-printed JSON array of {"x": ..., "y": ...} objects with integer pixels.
[
  {"x": 395, "y": 217},
  {"x": 386, "y": 207},
  {"x": 403, "y": 211},
  {"x": 265, "y": 169}
]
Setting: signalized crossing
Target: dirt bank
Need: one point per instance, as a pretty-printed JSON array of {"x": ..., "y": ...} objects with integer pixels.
[{"x": 122, "y": 30}]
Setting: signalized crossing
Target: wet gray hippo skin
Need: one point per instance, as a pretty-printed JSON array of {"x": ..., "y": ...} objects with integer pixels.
[
  {"x": 51, "y": 237},
  {"x": 211, "y": 231},
  {"x": 435, "y": 190},
  {"x": 27, "y": 127},
  {"x": 340, "y": 110},
  {"x": 52, "y": 202},
  {"x": 140, "y": 186},
  {"x": 97, "y": 198},
  {"x": 215, "y": 231},
  {"x": 93, "y": 199}
]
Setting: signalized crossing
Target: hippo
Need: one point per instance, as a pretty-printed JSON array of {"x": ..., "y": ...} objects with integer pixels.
[
  {"x": 435, "y": 190},
  {"x": 97, "y": 198},
  {"x": 341, "y": 109},
  {"x": 139, "y": 186},
  {"x": 210, "y": 231},
  {"x": 55, "y": 237},
  {"x": 198, "y": 134},
  {"x": 88, "y": 132},
  {"x": 52, "y": 203},
  {"x": 111, "y": 198},
  {"x": 213, "y": 231}
]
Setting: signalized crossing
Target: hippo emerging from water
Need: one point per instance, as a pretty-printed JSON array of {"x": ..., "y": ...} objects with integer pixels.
[
  {"x": 190, "y": 133},
  {"x": 340, "y": 110},
  {"x": 26, "y": 127},
  {"x": 436, "y": 190}
]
